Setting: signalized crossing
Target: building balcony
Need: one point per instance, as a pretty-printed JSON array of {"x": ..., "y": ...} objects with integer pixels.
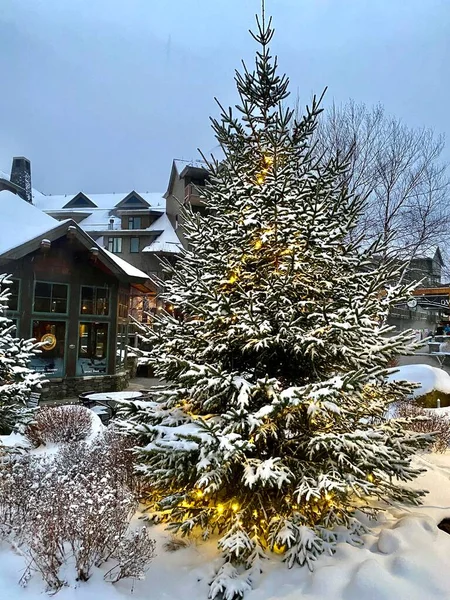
[{"x": 192, "y": 195}]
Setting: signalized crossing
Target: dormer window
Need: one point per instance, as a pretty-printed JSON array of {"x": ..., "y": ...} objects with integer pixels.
[{"x": 80, "y": 201}]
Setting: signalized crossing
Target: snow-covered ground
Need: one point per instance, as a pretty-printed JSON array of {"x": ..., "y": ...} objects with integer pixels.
[{"x": 406, "y": 557}]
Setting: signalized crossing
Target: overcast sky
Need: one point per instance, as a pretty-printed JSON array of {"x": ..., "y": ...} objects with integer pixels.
[{"x": 101, "y": 95}]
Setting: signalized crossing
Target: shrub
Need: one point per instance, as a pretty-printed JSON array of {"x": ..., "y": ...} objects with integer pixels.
[
  {"x": 74, "y": 504},
  {"x": 422, "y": 420},
  {"x": 59, "y": 424}
]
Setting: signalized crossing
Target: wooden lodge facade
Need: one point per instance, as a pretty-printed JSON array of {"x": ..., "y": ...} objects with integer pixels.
[{"x": 72, "y": 296}]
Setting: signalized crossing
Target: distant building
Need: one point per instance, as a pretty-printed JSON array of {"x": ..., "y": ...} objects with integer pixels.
[
  {"x": 430, "y": 305},
  {"x": 69, "y": 293}
]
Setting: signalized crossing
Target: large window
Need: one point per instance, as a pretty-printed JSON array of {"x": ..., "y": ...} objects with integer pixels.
[
  {"x": 52, "y": 335},
  {"x": 134, "y": 244},
  {"x": 115, "y": 245},
  {"x": 92, "y": 348},
  {"x": 134, "y": 222},
  {"x": 94, "y": 300},
  {"x": 50, "y": 297}
]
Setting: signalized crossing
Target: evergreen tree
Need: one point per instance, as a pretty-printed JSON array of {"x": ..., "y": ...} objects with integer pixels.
[
  {"x": 17, "y": 381},
  {"x": 272, "y": 429}
]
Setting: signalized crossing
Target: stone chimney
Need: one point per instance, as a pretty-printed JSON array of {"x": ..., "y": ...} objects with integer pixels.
[{"x": 21, "y": 177}]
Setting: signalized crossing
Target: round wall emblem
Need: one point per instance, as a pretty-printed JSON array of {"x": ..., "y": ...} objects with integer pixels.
[{"x": 48, "y": 341}]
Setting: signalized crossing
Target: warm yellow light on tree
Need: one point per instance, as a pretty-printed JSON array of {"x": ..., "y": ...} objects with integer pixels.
[
  {"x": 199, "y": 493},
  {"x": 260, "y": 178},
  {"x": 233, "y": 278},
  {"x": 220, "y": 508},
  {"x": 268, "y": 160},
  {"x": 257, "y": 245},
  {"x": 235, "y": 507},
  {"x": 370, "y": 477},
  {"x": 279, "y": 549}
]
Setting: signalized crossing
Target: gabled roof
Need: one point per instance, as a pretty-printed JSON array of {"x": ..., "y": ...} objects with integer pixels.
[
  {"x": 133, "y": 199},
  {"x": 101, "y": 201},
  {"x": 179, "y": 167},
  {"x": 80, "y": 201},
  {"x": 29, "y": 226}
]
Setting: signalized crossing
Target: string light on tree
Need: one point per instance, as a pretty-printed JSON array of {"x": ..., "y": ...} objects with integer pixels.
[{"x": 274, "y": 396}]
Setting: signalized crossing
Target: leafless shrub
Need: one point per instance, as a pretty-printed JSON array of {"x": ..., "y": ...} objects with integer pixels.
[
  {"x": 133, "y": 554},
  {"x": 75, "y": 503},
  {"x": 59, "y": 424},
  {"x": 423, "y": 420}
]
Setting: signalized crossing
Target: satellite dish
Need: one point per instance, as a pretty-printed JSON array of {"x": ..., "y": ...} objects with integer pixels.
[{"x": 412, "y": 303}]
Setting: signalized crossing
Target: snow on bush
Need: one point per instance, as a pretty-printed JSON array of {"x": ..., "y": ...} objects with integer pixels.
[
  {"x": 75, "y": 505},
  {"x": 423, "y": 420},
  {"x": 59, "y": 424}
]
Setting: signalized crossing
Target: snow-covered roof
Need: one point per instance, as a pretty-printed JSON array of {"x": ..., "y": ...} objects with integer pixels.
[
  {"x": 102, "y": 201},
  {"x": 181, "y": 164},
  {"x": 125, "y": 266},
  {"x": 21, "y": 221},
  {"x": 168, "y": 242}
]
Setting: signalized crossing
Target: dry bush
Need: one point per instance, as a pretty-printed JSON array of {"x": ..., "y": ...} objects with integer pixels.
[
  {"x": 134, "y": 555},
  {"x": 74, "y": 504},
  {"x": 423, "y": 420},
  {"x": 59, "y": 424}
]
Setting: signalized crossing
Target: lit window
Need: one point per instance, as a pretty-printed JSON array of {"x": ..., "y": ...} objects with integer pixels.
[
  {"x": 92, "y": 348},
  {"x": 94, "y": 300},
  {"x": 115, "y": 245},
  {"x": 50, "y": 297},
  {"x": 134, "y": 244},
  {"x": 52, "y": 335}
]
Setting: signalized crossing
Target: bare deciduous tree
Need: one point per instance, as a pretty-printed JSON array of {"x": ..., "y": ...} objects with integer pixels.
[{"x": 400, "y": 171}]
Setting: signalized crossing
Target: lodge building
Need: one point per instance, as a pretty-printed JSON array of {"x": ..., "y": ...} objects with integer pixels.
[{"x": 71, "y": 295}]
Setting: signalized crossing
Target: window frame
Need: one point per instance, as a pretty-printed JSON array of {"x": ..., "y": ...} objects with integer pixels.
[
  {"x": 66, "y": 333},
  {"x": 109, "y": 328},
  {"x": 111, "y": 242},
  {"x": 138, "y": 245},
  {"x": 52, "y": 283},
  {"x": 19, "y": 289},
  {"x": 95, "y": 287},
  {"x": 132, "y": 221}
]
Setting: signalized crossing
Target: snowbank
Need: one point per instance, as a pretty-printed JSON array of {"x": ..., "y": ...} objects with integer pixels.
[{"x": 429, "y": 378}]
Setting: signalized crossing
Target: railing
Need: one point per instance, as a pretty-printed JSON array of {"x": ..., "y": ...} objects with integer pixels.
[{"x": 192, "y": 190}]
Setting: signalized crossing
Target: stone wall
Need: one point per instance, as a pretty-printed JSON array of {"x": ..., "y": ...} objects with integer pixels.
[{"x": 72, "y": 387}]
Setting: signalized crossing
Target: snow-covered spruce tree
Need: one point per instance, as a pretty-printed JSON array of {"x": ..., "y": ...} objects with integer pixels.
[
  {"x": 17, "y": 381},
  {"x": 272, "y": 428}
]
